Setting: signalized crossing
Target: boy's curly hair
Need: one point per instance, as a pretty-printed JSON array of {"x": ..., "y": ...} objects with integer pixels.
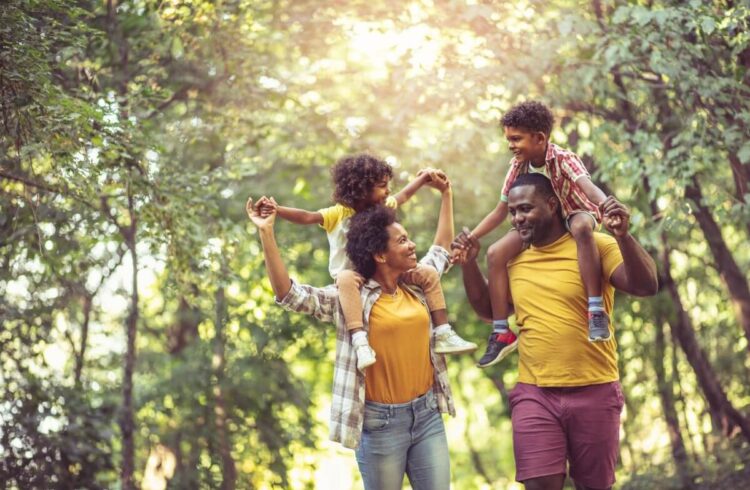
[
  {"x": 368, "y": 235},
  {"x": 531, "y": 115},
  {"x": 355, "y": 176}
]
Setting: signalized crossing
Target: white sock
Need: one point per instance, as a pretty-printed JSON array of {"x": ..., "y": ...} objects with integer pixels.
[{"x": 356, "y": 336}]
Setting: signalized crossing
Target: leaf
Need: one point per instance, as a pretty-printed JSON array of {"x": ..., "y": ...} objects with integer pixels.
[
  {"x": 744, "y": 153},
  {"x": 176, "y": 48},
  {"x": 708, "y": 25}
]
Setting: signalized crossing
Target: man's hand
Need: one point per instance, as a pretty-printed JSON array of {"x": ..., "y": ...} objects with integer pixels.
[
  {"x": 263, "y": 212},
  {"x": 616, "y": 216},
  {"x": 464, "y": 248}
]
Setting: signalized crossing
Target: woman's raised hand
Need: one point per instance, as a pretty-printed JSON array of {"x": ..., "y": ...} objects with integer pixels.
[{"x": 263, "y": 212}]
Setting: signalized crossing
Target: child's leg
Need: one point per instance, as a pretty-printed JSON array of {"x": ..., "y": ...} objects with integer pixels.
[
  {"x": 581, "y": 226},
  {"x": 446, "y": 339},
  {"x": 349, "y": 283},
  {"x": 501, "y": 341},
  {"x": 499, "y": 254}
]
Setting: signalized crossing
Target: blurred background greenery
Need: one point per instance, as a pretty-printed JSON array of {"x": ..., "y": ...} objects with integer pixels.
[{"x": 140, "y": 345}]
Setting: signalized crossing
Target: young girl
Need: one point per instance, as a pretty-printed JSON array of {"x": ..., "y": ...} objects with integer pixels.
[
  {"x": 360, "y": 182},
  {"x": 527, "y": 129}
]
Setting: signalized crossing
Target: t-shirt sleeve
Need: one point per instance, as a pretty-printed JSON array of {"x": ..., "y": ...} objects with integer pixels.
[
  {"x": 510, "y": 176},
  {"x": 391, "y": 202},
  {"x": 610, "y": 253},
  {"x": 331, "y": 217},
  {"x": 572, "y": 167}
]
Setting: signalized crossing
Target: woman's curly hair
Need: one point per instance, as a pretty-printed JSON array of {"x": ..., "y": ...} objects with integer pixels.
[
  {"x": 368, "y": 235},
  {"x": 355, "y": 176},
  {"x": 532, "y": 116}
]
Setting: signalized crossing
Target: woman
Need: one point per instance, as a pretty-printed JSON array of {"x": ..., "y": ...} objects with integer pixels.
[{"x": 390, "y": 414}]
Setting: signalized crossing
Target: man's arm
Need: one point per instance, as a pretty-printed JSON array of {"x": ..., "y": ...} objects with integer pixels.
[
  {"x": 637, "y": 273},
  {"x": 475, "y": 284}
]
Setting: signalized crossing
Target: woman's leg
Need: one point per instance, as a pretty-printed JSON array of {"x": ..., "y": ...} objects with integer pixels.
[
  {"x": 428, "y": 460},
  {"x": 382, "y": 452}
]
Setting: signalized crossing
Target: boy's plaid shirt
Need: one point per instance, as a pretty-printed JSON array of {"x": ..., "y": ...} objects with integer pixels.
[
  {"x": 563, "y": 169},
  {"x": 348, "y": 404}
]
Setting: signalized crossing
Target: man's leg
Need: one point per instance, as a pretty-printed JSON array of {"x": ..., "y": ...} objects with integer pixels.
[
  {"x": 592, "y": 422},
  {"x": 539, "y": 444},
  {"x": 552, "y": 482}
]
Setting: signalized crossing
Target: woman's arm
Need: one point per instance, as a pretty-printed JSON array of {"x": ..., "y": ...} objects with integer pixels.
[
  {"x": 445, "y": 227},
  {"x": 277, "y": 273}
]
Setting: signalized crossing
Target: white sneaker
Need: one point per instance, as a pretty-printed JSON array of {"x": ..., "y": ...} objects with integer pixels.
[
  {"x": 365, "y": 356},
  {"x": 450, "y": 343}
]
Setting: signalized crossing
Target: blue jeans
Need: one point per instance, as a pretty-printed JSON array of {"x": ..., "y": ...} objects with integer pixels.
[{"x": 405, "y": 438}]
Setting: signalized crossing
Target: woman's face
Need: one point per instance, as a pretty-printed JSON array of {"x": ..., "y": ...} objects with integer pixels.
[{"x": 401, "y": 253}]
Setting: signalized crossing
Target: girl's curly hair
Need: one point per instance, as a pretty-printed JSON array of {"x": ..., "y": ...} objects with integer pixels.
[
  {"x": 531, "y": 115},
  {"x": 355, "y": 176},
  {"x": 368, "y": 235}
]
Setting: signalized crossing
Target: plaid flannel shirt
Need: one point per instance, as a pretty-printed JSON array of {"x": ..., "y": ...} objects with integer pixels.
[
  {"x": 348, "y": 403},
  {"x": 564, "y": 168}
]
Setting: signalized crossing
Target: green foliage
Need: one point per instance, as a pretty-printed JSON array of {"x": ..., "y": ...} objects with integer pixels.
[{"x": 138, "y": 129}]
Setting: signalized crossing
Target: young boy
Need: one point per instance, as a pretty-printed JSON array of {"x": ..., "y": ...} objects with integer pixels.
[
  {"x": 361, "y": 181},
  {"x": 527, "y": 129}
]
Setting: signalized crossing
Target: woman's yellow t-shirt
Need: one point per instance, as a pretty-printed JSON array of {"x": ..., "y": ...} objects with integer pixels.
[
  {"x": 400, "y": 335},
  {"x": 552, "y": 313}
]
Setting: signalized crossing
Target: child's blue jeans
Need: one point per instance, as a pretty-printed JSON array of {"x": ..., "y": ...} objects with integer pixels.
[{"x": 405, "y": 438}]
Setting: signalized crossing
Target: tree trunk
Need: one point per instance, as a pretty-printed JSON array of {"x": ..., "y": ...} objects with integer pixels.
[
  {"x": 666, "y": 396},
  {"x": 228, "y": 468},
  {"x": 730, "y": 272},
  {"x": 724, "y": 416},
  {"x": 127, "y": 424},
  {"x": 81, "y": 355}
]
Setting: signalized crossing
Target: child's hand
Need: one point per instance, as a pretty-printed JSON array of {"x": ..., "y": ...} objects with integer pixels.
[
  {"x": 616, "y": 216},
  {"x": 256, "y": 215},
  {"x": 464, "y": 248},
  {"x": 436, "y": 179}
]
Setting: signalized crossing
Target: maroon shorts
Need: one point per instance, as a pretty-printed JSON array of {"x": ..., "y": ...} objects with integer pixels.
[{"x": 580, "y": 425}]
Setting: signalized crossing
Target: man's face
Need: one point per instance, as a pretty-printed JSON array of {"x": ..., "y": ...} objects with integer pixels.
[
  {"x": 531, "y": 213},
  {"x": 525, "y": 145}
]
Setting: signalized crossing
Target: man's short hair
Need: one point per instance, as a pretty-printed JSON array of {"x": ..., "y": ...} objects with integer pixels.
[
  {"x": 368, "y": 235},
  {"x": 531, "y": 115},
  {"x": 541, "y": 183}
]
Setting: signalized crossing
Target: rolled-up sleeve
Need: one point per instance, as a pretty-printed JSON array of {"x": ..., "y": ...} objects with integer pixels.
[
  {"x": 438, "y": 258},
  {"x": 320, "y": 303}
]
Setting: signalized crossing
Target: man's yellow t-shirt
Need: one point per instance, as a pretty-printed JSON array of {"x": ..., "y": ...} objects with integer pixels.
[{"x": 552, "y": 312}]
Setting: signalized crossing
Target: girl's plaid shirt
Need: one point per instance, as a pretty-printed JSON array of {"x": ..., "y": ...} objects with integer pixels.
[{"x": 348, "y": 402}]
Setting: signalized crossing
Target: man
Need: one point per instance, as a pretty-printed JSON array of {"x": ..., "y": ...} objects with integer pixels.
[{"x": 567, "y": 402}]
